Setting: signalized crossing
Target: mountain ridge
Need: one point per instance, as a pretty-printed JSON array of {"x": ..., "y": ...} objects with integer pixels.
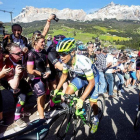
[{"x": 110, "y": 11}]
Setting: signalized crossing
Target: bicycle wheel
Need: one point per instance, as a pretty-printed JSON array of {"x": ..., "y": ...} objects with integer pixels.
[
  {"x": 137, "y": 121},
  {"x": 67, "y": 128},
  {"x": 101, "y": 106}
]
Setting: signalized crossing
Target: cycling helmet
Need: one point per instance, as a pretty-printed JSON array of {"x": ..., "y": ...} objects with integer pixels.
[
  {"x": 80, "y": 46},
  {"x": 66, "y": 45},
  {"x": 57, "y": 38}
]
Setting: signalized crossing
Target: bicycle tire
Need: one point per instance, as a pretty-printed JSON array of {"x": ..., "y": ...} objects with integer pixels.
[
  {"x": 68, "y": 128},
  {"x": 137, "y": 121},
  {"x": 101, "y": 106}
]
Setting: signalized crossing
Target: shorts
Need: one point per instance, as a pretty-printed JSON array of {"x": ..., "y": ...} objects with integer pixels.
[
  {"x": 127, "y": 76},
  {"x": 133, "y": 75},
  {"x": 39, "y": 87},
  {"x": 79, "y": 82}
]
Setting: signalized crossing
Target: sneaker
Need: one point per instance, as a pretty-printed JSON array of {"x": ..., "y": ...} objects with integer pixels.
[
  {"x": 111, "y": 96},
  {"x": 20, "y": 123},
  {"x": 137, "y": 109},
  {"x": 3, "y": 123},
  {"x": 94, "y": 127}
]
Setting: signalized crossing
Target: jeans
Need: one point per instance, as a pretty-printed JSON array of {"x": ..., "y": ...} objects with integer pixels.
[
  {"x": 110, "y": 81},
  {"x": 101, "y": 82},
  {"x": 121, "y": 82}
]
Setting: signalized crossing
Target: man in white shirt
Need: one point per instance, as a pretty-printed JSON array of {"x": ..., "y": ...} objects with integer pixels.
[{"x": 108, "y": 73}]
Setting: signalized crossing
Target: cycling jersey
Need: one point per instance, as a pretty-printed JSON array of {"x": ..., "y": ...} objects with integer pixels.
[
  {"x": 38, "y": 59},
  {"x": 82, "y": 67},
  {"x": 84, "y": 70}
]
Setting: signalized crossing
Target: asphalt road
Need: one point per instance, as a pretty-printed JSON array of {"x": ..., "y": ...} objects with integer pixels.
[{"x": 116, "y": 124}]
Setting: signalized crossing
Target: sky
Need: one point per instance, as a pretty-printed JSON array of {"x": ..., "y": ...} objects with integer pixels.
[{"x": 88, "y": 6}]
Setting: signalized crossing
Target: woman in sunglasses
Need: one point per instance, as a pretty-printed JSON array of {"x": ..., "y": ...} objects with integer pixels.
[{"x": 38, "y": 68}]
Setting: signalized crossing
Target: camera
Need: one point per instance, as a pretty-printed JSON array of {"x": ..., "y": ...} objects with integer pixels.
[{"x": 55, "y": 18}]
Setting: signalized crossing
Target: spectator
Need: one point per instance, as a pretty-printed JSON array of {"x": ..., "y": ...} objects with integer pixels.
[
  {"x": 101, "y": 66},
  {"x": 3, "y": 72},
  {"x": 109, "y": 73},
  {"x": 132, "y": 70},
  {"x": 90, "y": 50},
  {"x": 18, "y": 86},
  {"x": 16, "y": 37},
  {"x": 120, "y": 73}
]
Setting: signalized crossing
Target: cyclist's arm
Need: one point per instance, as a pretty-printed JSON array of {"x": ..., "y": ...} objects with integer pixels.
[
  {"x": 88, "y": 89},
  {"x": 62, "y": 80}
]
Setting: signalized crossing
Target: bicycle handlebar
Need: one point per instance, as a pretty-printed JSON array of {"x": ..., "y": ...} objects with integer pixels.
[{"x": 71, "y": 97}]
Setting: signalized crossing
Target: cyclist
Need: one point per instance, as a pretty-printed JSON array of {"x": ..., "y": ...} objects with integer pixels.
[{"x": 83, "y": 69}]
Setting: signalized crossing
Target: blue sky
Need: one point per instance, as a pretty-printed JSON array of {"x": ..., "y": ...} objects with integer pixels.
[{"x": 87, "y": 5}]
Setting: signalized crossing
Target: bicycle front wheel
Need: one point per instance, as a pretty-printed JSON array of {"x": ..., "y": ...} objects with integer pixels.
[{"x": 101, "y": 106}]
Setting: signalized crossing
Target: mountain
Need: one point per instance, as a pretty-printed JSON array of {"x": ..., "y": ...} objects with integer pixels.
[
  {"x": 112, "y": 10},
  {"x": 30, "y": 14},
  {"x": 119, "y": 12}
]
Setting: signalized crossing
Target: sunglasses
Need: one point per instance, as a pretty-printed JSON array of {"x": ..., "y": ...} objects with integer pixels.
[
  {"x": 37, "y": 36},
  {"x": 63, "y": 54},
  {"x": 19, "y": 53}
]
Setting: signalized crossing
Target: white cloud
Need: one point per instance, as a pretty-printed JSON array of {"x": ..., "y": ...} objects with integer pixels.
[
  {"x": 1, "y": 2},
  {"x": 92, "y": 10}
]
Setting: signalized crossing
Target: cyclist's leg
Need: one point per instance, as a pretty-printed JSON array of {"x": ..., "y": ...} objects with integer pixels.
[
  {"x": 40, "y": 91},
  {"x": 93, "y": 103}
]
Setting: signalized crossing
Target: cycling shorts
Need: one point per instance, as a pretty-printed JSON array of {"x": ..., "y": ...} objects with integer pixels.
[
  {"x": 38, "y": 86},
  {"x": 79, "y": 82}
]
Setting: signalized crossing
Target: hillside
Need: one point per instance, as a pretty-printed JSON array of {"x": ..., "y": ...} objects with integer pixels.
[{"x": 120, "y": 34}]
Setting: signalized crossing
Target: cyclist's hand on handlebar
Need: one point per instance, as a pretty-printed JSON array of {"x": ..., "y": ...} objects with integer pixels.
[
  {"x": 54, "y": 92},
  {"x": 79, "y": 104}
]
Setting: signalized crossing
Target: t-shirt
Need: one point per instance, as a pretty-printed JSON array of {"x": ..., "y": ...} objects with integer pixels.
[
  {"x": 109, "y": 59},
  {"x": 82, "y": 67}
]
